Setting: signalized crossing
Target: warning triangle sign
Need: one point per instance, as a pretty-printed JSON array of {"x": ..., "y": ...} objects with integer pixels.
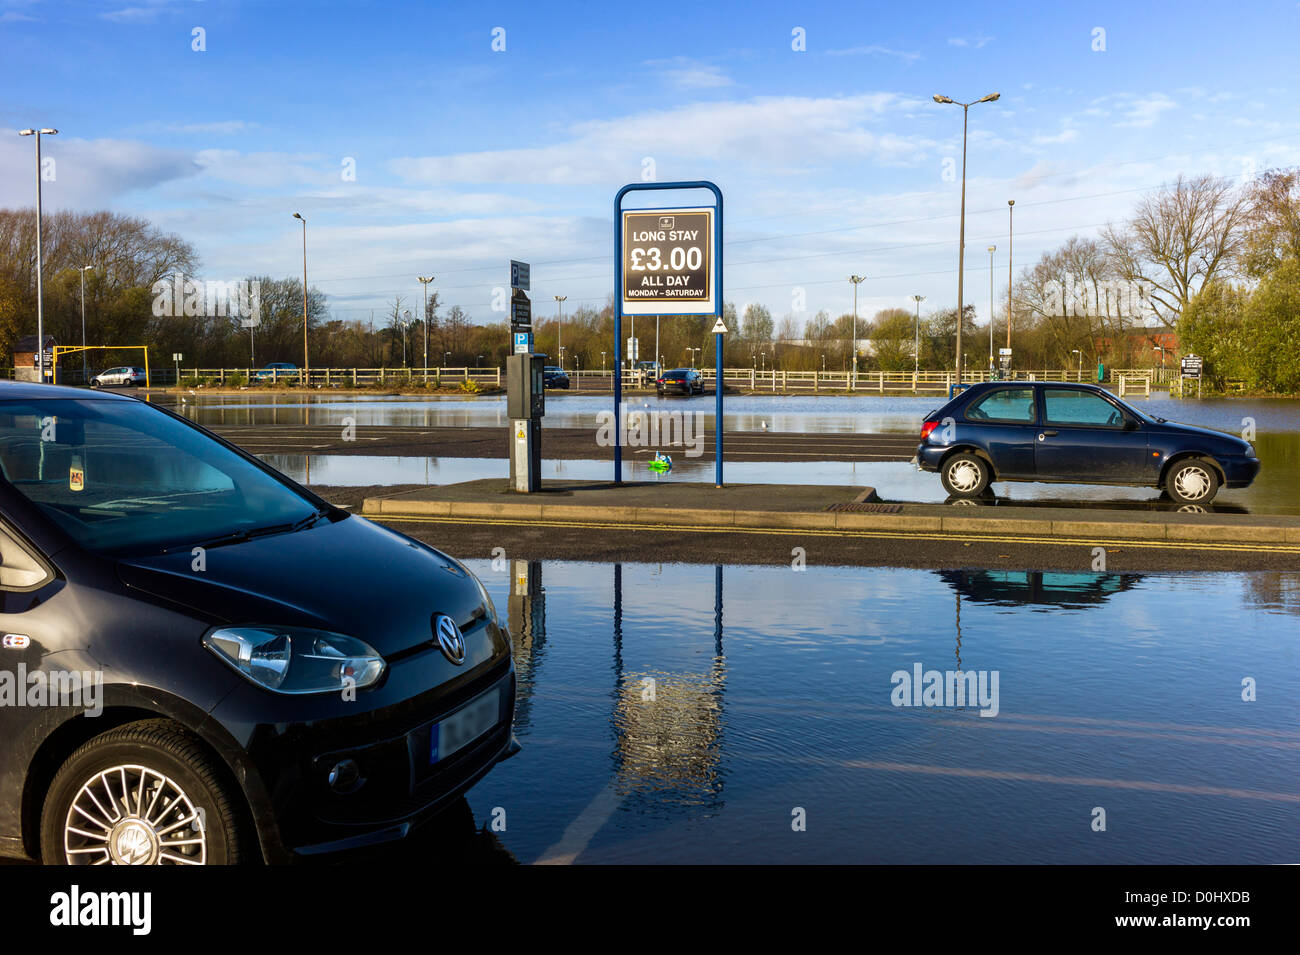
[{"x": 719, "y": 328}]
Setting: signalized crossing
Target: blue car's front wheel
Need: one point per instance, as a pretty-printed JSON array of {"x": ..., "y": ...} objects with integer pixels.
[{"x": 1192, "y": 481}]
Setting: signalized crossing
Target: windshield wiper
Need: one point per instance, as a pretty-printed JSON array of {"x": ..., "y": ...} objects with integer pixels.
[{"x": 248, "y": 533}]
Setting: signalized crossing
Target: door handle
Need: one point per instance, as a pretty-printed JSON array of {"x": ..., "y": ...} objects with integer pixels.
[{"x": 1042, "y": 435}]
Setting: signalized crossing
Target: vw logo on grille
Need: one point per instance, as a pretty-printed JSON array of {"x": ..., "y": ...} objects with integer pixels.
[{"x": 449, "y": 638}]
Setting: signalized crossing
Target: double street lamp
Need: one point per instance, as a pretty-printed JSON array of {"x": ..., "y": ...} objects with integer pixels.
[
  {"x": 916, "y": 346},
  {"x": 425, "y": 282},
  {"x": 961, "y": 241},
  {"x": 559, "y": 330},
  {"x": 856, "y": 280},
  {"x": 40, "y": 278}
]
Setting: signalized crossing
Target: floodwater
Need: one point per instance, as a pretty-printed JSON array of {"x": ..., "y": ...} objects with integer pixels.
[
  {"x": 1275, "y": 491},
  {"x": 807, "y": 414},
  {"x": 679, "y": 713},
  {"x": 1273, "y": 424}
]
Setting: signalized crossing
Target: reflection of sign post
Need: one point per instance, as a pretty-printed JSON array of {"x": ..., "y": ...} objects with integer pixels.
[{"x": 668, "y": 262}]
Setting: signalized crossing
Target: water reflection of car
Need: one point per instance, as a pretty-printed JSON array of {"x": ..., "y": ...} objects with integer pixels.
[
  {"x": 1014, "y": 588},
  {"x": 681, "y": 381},
  {"x": 276, "y": 371},
  {"x": 1075, "y": 434},
  {"x": 252, "y": 705},
  {"x": 124, "y": 376},
  {"x": 554, "y": 376}
]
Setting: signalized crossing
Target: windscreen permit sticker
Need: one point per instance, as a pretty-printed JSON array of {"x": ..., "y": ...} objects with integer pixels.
[{"x": 76, "y": 475}]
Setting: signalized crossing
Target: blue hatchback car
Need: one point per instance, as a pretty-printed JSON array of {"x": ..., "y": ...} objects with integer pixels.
[{"x": 1074, "y": 434}]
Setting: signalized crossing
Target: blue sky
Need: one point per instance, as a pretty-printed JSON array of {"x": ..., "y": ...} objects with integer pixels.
[{"x": 832, "y": 159}]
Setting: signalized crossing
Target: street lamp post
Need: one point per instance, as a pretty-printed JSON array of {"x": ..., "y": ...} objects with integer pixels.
[
  {"x": 1079, "y": 371},
  {"x": 1011, "y": 213},
  {"x": 40, "y": 277},
  {"x": 856, "y": 280},
  {"x": 961, "y": 239},
  {"x": 85, "y": 371},
  {"x": 406, "y": 323},
  {"x": 916, "y": 345},
  {"x": 559, "y": 332},
  {"x": 306, "y": 363},
  {"x": 992, "y": 249},
  {"x": 425, "y": 318}
]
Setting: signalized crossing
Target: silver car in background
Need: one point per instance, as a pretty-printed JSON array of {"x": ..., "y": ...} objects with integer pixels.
[{"x": 125, "y": 375}]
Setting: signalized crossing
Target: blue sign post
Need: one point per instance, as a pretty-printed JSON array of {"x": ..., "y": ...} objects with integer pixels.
[{"x": 668, "y": 261}]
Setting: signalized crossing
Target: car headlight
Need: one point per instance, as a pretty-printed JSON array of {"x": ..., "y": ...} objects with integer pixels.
[
  {"x": 487, "y": 597},
  {"x": 297, "y": 659}
]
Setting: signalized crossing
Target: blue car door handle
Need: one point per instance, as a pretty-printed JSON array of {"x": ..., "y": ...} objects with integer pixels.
[{"x": 1046, "y": 434}]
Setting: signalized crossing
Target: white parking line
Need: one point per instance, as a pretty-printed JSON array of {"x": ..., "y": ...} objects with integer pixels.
[{"x": 582, "y": 830}]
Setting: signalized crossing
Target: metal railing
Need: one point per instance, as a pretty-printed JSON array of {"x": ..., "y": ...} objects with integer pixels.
[{"x": 329, "y": 377}]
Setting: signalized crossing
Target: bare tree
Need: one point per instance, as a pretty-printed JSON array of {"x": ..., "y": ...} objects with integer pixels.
[{"x": 1180, "y": 237}]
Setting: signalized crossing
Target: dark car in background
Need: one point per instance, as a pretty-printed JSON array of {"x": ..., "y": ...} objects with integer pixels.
[
  {"x": 680, "y": 381},
  {"x": 277, "y": 679},
  {"x": 553, "y": 376},
  {"x": 1075, "y": 434}
]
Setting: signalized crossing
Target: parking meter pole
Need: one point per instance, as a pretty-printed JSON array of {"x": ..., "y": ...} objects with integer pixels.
[{"x": 525, "y": 405}]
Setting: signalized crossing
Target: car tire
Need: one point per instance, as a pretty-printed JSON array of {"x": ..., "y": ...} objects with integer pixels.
[
  {"x": 139, "y": 759},
  {"x": 965, "y": 475},
  {"x": 1192, "y": 481}
]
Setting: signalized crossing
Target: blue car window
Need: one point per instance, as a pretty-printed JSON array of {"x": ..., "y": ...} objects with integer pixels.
[
  {"x": 1083, "y": 408},
  {"x": 1004, "y": 404}
]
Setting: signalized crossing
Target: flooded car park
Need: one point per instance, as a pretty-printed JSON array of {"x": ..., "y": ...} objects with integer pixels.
[{"x": 681, "y": 713}]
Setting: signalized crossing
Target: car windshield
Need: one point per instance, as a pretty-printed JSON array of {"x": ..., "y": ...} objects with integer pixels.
[{"x": 123, "y": 478}]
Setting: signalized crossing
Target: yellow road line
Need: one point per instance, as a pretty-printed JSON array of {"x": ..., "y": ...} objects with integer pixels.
[{"x": 1232, "y": 546}]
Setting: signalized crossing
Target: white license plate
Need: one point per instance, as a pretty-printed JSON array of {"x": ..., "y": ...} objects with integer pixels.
[{"x": 464, "y": 726}]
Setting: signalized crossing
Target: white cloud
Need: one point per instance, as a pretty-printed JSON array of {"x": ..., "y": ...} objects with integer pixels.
[
  {"x": 1068, "y": 135},
  {"x": 780, "y": 132},
  {"x": 1141, "y": 111},
  {"x": 687, "y": 74},
  {"x": 875, "y": 50},
  {"x": 88, "y": 173},
  {"x": 975, "y": 42}
]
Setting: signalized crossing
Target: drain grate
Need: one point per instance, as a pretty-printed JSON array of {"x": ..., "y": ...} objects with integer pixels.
[{"x": 867, "y": 508}]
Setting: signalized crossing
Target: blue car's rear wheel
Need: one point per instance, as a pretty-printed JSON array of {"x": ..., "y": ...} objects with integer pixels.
[{"x": 965, "y": 475}]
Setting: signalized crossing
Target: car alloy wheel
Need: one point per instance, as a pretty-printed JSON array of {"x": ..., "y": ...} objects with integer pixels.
[
  {"x": 144, "y": 793},
  {"x": 133, "y": 815}
]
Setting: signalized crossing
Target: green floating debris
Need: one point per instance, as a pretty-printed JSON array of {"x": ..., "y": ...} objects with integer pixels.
[{"x": 660, "y": 463}]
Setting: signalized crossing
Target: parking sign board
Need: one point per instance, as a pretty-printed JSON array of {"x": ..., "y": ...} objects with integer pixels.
[
  {"x": 668, "y": 262},
  {"x": 520, "y": 275},
  {"x": 1191, "y": 366}
]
